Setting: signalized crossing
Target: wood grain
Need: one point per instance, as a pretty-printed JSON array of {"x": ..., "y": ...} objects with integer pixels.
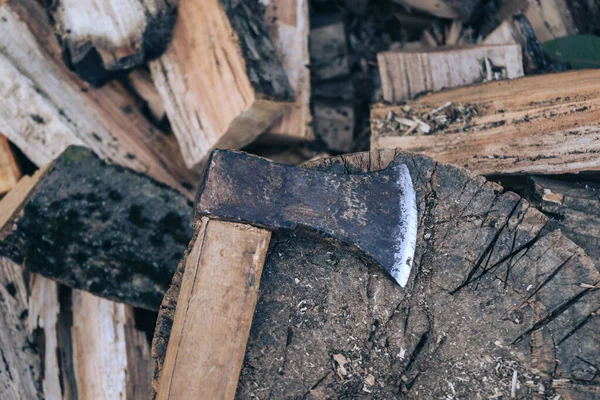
[
  {"x": 9, "y": 170},
  {"x": 220, "y": 78},
  {"x": 215, "y": 308},
  {"x": 46, "y": 107},
  {"x": 541, "y": 124},
  {"x": 406, "y": 74},
  {"x": 288, "y": 25}
]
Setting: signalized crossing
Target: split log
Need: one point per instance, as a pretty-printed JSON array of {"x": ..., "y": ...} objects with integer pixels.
[
  {"x": 288, "y": 25},
  {"x": 97, "y": 227},
  {"x": 406, "y": 74},
  {"x": 10, "y": 172},
  {"x": 220, "y": 79},
  {"x": 102, "y": 38},
  {"x": 572, "y": 207},
  {"x": 328, "y": 47},
  {"x": 451, "y": 9},
  {"x": 46, "y": 107},
  {"x": 551, "y": 19},
  {"x": 544, "y": 124},
  {"x": 140, "y": 80},
  {"x": 494, "y": 304},
  {"x": 58, "y": 344}
]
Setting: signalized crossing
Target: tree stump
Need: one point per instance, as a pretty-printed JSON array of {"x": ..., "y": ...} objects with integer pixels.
[{"x": 494, "y": 306}]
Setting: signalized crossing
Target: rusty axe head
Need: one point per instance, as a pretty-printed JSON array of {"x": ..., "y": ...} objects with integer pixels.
[{"x": 374, "y": 212}]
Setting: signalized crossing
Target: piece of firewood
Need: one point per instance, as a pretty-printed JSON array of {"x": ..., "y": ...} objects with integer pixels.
[
  {"x": 58, "y": 344},
  {"x": 334, "y": 123},
  {"x": 551, "y": 19},
  {"x": 492, "y": 292},
  {"x": 220, "y": 79},
  {"x": 573, "y": 207},
  {"x": 328, "y": 47},
  {"x": 45, "y": 107},
  {"x": 544, "y": 124},
  {"x": 406, "y": 74},
  {"x": 207, "y": 347},
  {"x": 97, "y": 227},
  {"x": 101, "y": 38},
  {"x": 141, "y": 82},
  {"x": 288, "y": 25},
  {"x": 9, "y": 169},
  {"x": 451, "y": 9}
]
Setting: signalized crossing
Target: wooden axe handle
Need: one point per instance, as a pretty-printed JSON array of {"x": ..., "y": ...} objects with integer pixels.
[{"x": 214, "y": 312}]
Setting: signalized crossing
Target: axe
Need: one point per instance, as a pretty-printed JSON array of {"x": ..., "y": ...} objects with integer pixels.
[{"x": 241, "y": 200}]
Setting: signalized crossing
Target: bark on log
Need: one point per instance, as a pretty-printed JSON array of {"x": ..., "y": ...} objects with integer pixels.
[
  {"x": 97, "y": 227},
  {"x": 45, "y": 107},
  {"x": 494, "y": 305},
  {"x": 101, "y": 38},
  {"x": 328, "y": 47},
  {"x": 406, "y": 74},
  {"x": 61, "y": 344},
  {"x": 220, "y": 78},
  {"x": 573, "y": 207},
  {"x": 544, "y": 124}
]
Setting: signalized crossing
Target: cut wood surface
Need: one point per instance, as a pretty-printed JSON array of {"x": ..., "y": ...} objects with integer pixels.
[
  {"x": 541, "y": 124},
  {"x": 45, "y": 107},
  {"x": 288, "y": 25},
  {"x": 97, "y": 227},
  {"x": 573, "y": 207},
  {"x": 551, "y": 19},
  {"x": 406, "y": 74},
  {"x": 220, "y": 78},
  {"x": 141, "y": 82},
  {"x": 103, "y": 37},
  {"x": 215, "y": 308},
  {"x": 58, "y": 344},
  {"x": 9, "y": 169},
  {"x": 334, "y": 123},
  {"x": 495, "y": 304}
]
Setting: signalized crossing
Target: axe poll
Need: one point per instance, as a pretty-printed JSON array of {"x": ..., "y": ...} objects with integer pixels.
[{"x": 241, "y": 200}]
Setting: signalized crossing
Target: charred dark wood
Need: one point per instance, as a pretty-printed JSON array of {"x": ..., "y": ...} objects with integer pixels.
[
  {"x": 495, "y": 304},
  {"x": 100, "y": 228}
]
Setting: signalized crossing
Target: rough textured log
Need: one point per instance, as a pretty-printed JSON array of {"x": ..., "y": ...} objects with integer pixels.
[
  {"x": 98, "y": 227},
  {"x": 101, "y": 38},
  {"x": 543, "y": 124},
  {"x": 572, "y": 207},
  {"x": 334, "y": 123},
  {"x": 216, "y": 305},
  {"x": 288, "y": 25},
  {"x": 494, "y": 298},
  {"x": 45, "y": 107},
  {"x": 406, "y": 74},
  {"x": 10, "y": 172},
  {"x": 220, "y": 78},
  {"x": 141, "y": 82},
  {"x": 61, "y": 345},
  {"x": 328, "y": 47},
  {"x": 452, "y": 9}
]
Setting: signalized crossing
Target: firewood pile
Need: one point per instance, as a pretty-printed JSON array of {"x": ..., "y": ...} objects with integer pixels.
[{"x": 110, "y": 112}]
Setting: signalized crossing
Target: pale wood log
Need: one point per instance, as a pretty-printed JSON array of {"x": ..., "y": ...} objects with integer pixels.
[
  {"x": 541, "y": 124},
  {"x": 550, "y": 19},
  {"x": 57, "y": 346},
  {"x": 406, "y": 74},
  {"x": 100, "y": 38},
  {"x": 573, "y": 207},
  {"x": 452, "y": 9},
  {"x": 46, "y": 107},
  {"x": 288, "y": 25},
  {"x": 215, "y": 308},
  {"x": 141, "y": 82},
  {"x": 492, "y": 291},
  {"x": 10, "y": 172},
  {"x": 328, "y": 47},
  {"x": 220, "y": 78},
  {"x": 97, "y": 227}
]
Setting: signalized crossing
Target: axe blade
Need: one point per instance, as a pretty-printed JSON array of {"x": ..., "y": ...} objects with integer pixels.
[{"x": 374, "y": 212}]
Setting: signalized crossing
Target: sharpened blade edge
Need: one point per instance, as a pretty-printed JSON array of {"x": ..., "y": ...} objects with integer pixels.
[{"x": 406, "y": 237}]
